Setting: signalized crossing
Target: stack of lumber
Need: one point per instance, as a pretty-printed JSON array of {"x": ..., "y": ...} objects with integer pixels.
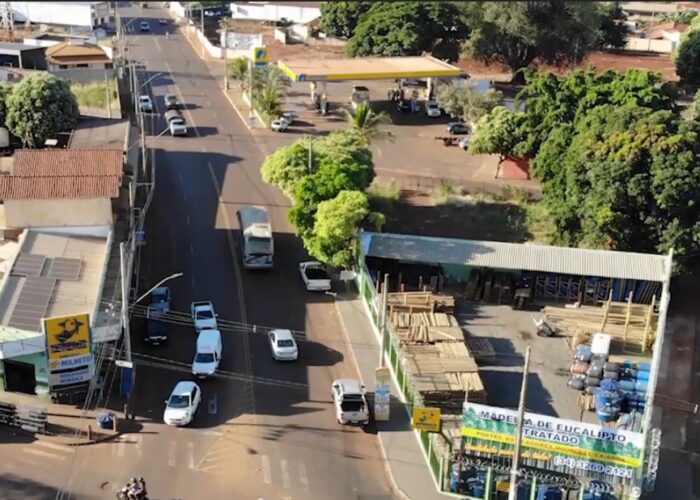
[
  {"x": 420, "y": 302},
  {"x": 426, "y": 328},
  {"x": 444, "y": 374},
  {"x": 632, "y": 325},
  {"x": 481, "y": 349}
]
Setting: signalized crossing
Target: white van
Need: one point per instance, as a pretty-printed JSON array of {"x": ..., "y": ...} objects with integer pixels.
[{"x": 208, "y": 356}]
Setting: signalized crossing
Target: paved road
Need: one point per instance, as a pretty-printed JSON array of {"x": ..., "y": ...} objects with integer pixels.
[{"x": 247, "y": 441}]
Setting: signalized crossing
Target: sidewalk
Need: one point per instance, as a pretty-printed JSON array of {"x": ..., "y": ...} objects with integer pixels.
[
  {"x": 404, "y": 457},
  {"x": 66, "y": 424}
]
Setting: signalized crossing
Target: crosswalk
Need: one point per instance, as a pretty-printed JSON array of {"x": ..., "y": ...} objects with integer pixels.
[{"x": 43, "y": 453}]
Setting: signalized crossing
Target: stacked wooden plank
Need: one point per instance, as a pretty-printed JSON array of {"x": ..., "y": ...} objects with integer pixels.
[
  {"x": 481, "y": 349},
  {"x": 444, "y": 374},
  {"x": 426, "y": 327},
  {"x": 632, "y": 325},
  {"x": 420, "y": 302}
]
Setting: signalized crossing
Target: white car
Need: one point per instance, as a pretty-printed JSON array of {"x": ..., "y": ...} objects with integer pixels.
[
  {"x": 145, "y": 104},
  {"x": 145, "y": 26},
  {"x": 182, "y": 405},
  {"x": 283, "y": 345},
  {"x": 280, "y": 125},
  {"x": 314, "y": 276},
  {"x": 203, "y": 315},
  {"x": 432, "y": 109},
  {"x": 349, "y": 401}
]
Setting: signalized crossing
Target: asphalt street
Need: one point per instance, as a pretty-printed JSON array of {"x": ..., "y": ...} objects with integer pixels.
[{"x": 248, "y": 440}]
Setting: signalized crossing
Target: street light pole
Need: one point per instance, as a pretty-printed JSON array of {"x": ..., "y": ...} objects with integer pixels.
[
  {"x": 171, "y": 277},
  {"x": 125, "y": 316},
  {"x": 515, "y": 466}
]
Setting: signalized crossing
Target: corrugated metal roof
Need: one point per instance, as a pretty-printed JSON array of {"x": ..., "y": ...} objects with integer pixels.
[{"x": 499, "y": 255}]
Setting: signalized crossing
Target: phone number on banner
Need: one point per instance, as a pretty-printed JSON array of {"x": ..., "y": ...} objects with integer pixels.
[{"x": 610, "y": 470}]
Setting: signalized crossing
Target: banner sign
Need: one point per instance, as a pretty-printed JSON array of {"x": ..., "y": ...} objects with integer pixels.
[
  {"x": 566, "y": 444},
  {"x": 426, "y": 419},
  {"x": 382, "y": 393},
  {"x": 68, "y": 349}
]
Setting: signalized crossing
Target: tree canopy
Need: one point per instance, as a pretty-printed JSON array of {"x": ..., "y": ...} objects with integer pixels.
[
  {"x": 467, "y": 103},
  {"x": 517, "y": 33},
  {"x": 687, "y": 58},
  {"x": 365, "y": 123},
  {"x": 339, "y": 19},
  {"x": 39, "y": 107},
  {"x": 340, "y": 163},
  {"x": 613, "y": 30},
  {"x": 410, "y": 28},
  {"x": 498, "y": 132}
]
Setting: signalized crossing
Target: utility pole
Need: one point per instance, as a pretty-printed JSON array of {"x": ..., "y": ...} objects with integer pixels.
[
  {"x": 515, "y": 467},
  {"x": 382, "y": 329},
  {"x": 125, "y": 314}
]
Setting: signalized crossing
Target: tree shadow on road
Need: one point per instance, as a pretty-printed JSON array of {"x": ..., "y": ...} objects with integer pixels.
[{"x": 14, "y": 487}]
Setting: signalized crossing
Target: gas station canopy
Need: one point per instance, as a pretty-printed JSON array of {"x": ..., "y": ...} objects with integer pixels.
[{"x": 366, "y": 68}]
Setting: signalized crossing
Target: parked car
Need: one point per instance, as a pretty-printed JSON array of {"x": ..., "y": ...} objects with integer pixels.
[
  {"x": 280, "y": 124},
  {"x": 432, "y": 109},
  {"x": 290, "y": 116},
  {"x": 145, "y": 26},
  {"x": 171, "y": 102},
  {"x": 457, "y": 128},
  {"x": 182, "y": 404},
  {"x": 349, "y": 401},
  {"x": 160, "y": 298},
  {"x": 314, "y": 276},
  {"x": 283, "y": 345},
  {"x": 203, "y": 315},
  {"x": 145, "y": 104},
  {"x": 162, "y": 21}
]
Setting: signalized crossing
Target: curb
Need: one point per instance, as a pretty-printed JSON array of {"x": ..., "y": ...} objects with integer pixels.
[
  {"x": 387, "y": 465},
  {"x": 87, "y": 442}
]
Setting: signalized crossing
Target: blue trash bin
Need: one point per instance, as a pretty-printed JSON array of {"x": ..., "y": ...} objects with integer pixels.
[{"x": 105, "y": 420}]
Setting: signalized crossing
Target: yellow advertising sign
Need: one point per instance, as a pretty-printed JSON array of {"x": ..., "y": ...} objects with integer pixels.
[
  {"x": 260, "y": 56},
  {"x": 67, "y": 337},
  {"x": 426, "y": 419}
]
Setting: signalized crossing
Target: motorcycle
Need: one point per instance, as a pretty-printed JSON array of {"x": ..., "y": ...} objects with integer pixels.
[
  {"x": 544, "y": 328},
  {"x": 123, "y": 494}
]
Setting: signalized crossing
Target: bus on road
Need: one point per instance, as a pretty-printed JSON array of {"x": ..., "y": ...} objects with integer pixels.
[{"x": 256, "y": 237}]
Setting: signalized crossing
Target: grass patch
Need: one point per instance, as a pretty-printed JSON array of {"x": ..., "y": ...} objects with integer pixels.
[
  {"x": 383, "y": 195},
  {"x": 538, "y": 222},
  {"x": 444, "y": 192},
  {"x": 94, "y": 94}
]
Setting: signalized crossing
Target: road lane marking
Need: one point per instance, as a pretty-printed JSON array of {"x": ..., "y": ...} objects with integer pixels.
[
  {"x": 303, "y": 478},
  {"x": 138, "y": 440},
  {"x": 213, "y": 406},
  {"x": 54, "y": 446},
  {"x": 267, "y": 475},
  {"x": 190, "y": 456},
  {"x": 191, "y": 248},
  {"x": 120, "y": 448},
  {"x": 285, "y": 474},
  {"x": 188, "y": 219},
  {"x": 171, "y": 454},
  {"x": 157, "y": 45},
  {"x": 44, "y": 454},
  {"x": 192, "y": 281}
]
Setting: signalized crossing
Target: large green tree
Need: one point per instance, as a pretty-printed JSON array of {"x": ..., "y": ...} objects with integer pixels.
[
  {"x": 334, "y": 236},
  {"x": 40, "y": 106},
  {"x": 410, "y": 28},
  {"x": 687, "y": 58},
  {"x": 613, "y": 30},
  {"x": 5, "y": 89},
  {"x": 498, "y": 132},
  {"x": 517, "y": 33},
  {"x": 466, "y": 102},
  {"x": 339, "y": 19}
]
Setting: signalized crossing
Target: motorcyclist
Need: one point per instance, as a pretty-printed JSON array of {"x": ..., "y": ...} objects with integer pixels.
[
  {"x": 135, "y": 490},
  {"x": 142, "y": 482}
]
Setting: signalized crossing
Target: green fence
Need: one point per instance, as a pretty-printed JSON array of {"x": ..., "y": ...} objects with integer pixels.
[{"x": 436, "y": 446}]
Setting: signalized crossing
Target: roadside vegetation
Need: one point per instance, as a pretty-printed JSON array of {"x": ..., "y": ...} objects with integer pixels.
[
  {"x": 94, "y": 94},
  {"x": 270, "y": 86}
]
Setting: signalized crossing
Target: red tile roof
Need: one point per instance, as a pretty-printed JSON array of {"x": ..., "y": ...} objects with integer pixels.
[
  {"x": 63, "y": 174},
  {"x": 67, "y": 187},
  {"x": 67, "y": 162},
  {"x": 67, "y": 53}
]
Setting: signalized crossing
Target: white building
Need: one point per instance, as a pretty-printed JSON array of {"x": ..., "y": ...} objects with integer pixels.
[
  {"x": 79, "y": 14},
  {"x": 295, "y": 12}
]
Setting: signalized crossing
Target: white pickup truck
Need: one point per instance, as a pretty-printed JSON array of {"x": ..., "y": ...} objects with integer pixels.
[
  {"x": 349, "y": 401},
  {"x": 314, "y": 276},
  {"x": 203, "y": 315}
]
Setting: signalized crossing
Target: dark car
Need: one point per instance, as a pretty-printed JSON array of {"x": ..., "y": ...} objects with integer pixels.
[
  {"x": 403, "y": 106},
  {"x": 171, "y": 101},
  {"x": 457, "y": 128}
]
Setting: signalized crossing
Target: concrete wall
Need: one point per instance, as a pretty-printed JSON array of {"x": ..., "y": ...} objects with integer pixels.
[
  {"x": 84, "y": 75},
  {"x": 275, "y": 12},
  {"x": 63, "y": 13},
  {"x": 76, "y": 212},
  {"x": 649, "y": 45}
]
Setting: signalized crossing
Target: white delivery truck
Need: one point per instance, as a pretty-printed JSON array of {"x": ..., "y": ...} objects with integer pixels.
[{"x": 256, "y": 237}]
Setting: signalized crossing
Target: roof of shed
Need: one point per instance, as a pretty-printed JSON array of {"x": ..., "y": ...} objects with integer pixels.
[
  {"x": 514, "y": 256},
  {"x": 67, "y": 162},
  {"x": 65, "y": 187}
]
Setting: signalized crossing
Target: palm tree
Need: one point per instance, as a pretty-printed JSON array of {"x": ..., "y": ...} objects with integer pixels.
[
  {"x": 238, "y": 70},
  {"x": 364, "y": 122}
]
